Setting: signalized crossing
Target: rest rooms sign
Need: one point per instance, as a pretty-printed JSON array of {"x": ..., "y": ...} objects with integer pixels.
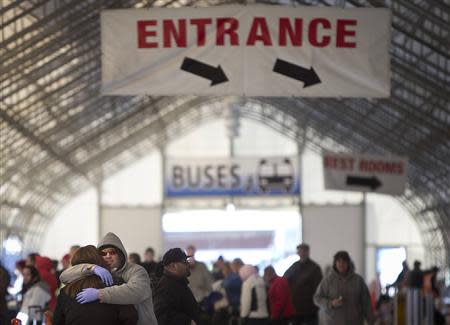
[
  {"x": 365, "y": 173},
  {"x": 232, "y": 176},
  {"x": 250, "y": 50}
]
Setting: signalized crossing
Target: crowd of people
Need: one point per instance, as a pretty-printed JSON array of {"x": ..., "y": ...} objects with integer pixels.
[{"x": 105, "y": 285}]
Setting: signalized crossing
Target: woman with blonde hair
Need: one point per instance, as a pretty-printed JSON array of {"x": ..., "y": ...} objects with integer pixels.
[
  {"x": 253, "y": 297},
  {"x": 70, "y": 312}
]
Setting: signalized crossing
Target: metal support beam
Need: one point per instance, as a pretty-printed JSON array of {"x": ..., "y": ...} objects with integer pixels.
[{"x": 44, "y": 146}]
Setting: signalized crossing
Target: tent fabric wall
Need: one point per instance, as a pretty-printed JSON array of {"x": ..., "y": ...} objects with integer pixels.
[
  {"x": 331, "y": 228},
  {"x": 137, "y": 227}
]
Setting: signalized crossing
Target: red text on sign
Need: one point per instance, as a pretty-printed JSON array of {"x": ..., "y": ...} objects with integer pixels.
[
  {"x": 339, "y": 163},
  {"x": 381, "y": 167},
  {"x": 318, "y": 32}
]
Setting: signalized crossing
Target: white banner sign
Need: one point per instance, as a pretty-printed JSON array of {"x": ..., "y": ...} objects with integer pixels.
[
  {"x": 364, "y": 173},
  {"x": 246, "y": 50},
  {"x": 232, "y": 177}
]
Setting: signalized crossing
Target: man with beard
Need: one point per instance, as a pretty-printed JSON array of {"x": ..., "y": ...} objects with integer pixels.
[{"x": 173, "y": 299}]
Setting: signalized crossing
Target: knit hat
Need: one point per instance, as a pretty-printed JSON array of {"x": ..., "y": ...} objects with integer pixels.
[{"x": 174, "y": 255}]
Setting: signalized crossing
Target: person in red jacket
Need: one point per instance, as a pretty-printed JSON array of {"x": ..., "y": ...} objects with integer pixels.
[
  {"x": 46, "y": 271},
  {"x": 279, "y": 295}
]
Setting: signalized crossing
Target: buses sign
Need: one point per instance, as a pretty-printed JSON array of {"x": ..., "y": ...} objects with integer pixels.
[{"x": 232, "y": 177}]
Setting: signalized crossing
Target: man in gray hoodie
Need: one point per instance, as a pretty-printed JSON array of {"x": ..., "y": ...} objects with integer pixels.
[{"x": 136, "y": 289}]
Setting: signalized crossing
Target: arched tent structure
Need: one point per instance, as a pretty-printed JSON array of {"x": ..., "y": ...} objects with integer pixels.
[{"x": 59, "y": 136}]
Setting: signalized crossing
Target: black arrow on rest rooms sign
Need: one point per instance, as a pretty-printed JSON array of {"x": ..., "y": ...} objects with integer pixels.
[
  {"x": 216, "y": 75},
  {"x": 371, "y": 182},
  {"x": 308, "y": 76}
]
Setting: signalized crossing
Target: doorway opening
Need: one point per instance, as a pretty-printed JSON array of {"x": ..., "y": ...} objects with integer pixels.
[
  {"x": 258, "y": 237},
  {"x": 389, "y": 263}
]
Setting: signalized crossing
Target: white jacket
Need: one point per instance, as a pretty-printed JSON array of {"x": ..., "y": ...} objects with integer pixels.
[
  {"x": 36, "y": 296},
  {"x": 254, "y": 281}
]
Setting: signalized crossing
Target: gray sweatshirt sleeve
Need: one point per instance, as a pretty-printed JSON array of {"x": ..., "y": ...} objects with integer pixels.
[
  {"x": 321, "y": 297},
  {"x": 135, "y": 291},
  {"x": 76, "y": 272},
  {"x": 366, "y": 303}
]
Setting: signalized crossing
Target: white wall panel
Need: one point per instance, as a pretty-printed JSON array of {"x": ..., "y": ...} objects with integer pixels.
[
  {"x": 137, "y": 184},
  {"x": 75, "y": 224},
  {"x": 389, "y": 226},
  {"x": 328, "y": 229},
  {"x": 137, "y": 227}
]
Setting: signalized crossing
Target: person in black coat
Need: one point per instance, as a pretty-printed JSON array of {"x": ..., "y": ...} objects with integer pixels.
[
  {"x": 150, "y": 266},
  {"x": 70, "y": 312},
  {"x": 174, "y": 303},
  {"x": 304, "y": 277},
  {"x": 415, "y": 276},
  {"x": 4, "y": 283}
]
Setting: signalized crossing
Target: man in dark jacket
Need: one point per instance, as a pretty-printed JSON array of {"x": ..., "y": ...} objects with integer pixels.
[
  {"x": 415, "y": 277},
  {"x": 174, "y": 303},
  {"x": 149, "y": 263},
  {"x": 304, "y": 277},
  {"x": 150, "y": 266}
]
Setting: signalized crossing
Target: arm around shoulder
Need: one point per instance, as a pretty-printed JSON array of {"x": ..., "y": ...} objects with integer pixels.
[
  {"x": 134, "y": 291},
  {"x": 76, "y": 272}
]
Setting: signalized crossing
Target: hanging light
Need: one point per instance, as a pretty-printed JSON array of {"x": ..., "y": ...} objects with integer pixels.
[{"x": 13, "y": 245}]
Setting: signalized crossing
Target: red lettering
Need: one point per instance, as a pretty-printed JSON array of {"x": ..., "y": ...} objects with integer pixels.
[
  {"x": 320, "y": 32},
  {"x": 390, "y": 168},
  {"x": 351, "y": 161},
  {"x": 328, "y": 162},
  {"x": 379, "y": 166},
  {"x": 362, "y": 165},
  {"x": 259, "y": 23},
  {"x": 286, "y": 28},
  {"x": 341, "y": 163},
  {"x": 233, "y": 25},
  {"x": 143, "y": 33},
  {"x": 170, "y": 31},
  {"x": 313, "y": 33},
  {"x": 201, "y": 29},
  {"x": 342, "y": 32}
]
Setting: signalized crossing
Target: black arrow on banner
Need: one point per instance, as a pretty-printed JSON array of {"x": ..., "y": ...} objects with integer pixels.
[
  {"x": 309, "y": 76},
  {"x": 371, "y": 182},
  {"x": 216, "y": 75}
]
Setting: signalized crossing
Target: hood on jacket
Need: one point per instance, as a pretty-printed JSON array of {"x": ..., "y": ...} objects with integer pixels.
[
  {"x": 350, "y": 271},
  {"x": 43, "y": 263},
  {"x": 111, "y": 240}
]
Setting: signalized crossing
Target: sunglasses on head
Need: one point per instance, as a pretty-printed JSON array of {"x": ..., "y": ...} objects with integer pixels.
[{"x": 110, "y": 252}]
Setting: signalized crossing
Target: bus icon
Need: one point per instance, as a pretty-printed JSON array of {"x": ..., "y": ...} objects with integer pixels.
[{"x": 275, "y": 176}]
